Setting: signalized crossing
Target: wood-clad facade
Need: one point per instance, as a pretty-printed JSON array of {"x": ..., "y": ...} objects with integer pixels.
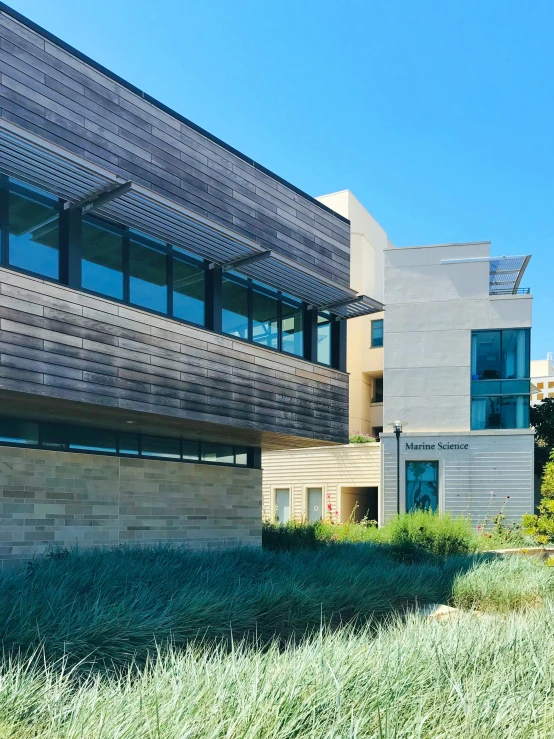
[
  {"x": 98, "y": 354},
  {"x": 52, "y": 91}
]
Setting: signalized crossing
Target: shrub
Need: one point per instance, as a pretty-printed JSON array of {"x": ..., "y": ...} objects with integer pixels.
[
  {"x": 361, "y": 439},
  {"x": 541, "y": 526},
  {"x": 424, "y": 532}
]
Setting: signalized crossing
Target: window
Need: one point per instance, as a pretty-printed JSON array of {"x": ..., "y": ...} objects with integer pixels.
[
  {"x": 314, "y": 500},
  {"x": 147, "y": 274},
  {"x": 377, "y": 390},
  {"x": 221, "y": 453},
  {"x": 551, "y": 384},
  {"x": 540, "y": 396},
  {"x": 234, "y": 303},
  {"x": 93, "y": 440},
  {"x": 377, "y": 333},
  {"x": 292, "y": 326},
  {"x": 13, "y": 431},
  {"x": 376, "y": 432},
  {"x": 69, "y": 438},
  {"x": 282, "y": 505},
  {"x": 129, "y": 444},
  {"x": 422, "y": 485},
  {"x": 34, "y": 233},
  {"x": 265, "y": 315},
  {"x": 102, "y": 258},
  {"x": 324, "y": 338},
  {"x": 115, "y": 261},
  {"x": 540, "y": 385},
  {"x": 189, "y": 288},
  {"x": 156, "y": 446},
  {"x": 500, "y": 386}
]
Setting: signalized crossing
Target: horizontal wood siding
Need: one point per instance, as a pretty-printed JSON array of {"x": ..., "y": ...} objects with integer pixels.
[
  {"x": 58, "y": 342},
  {"x": 56, "y": 95},
  {"x": 352, "y": 465}
]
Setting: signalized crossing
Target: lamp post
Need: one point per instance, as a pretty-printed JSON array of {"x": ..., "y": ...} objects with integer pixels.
[{"x": 397, "y": 426}]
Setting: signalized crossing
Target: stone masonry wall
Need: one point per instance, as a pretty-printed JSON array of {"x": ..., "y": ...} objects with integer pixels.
[{"x": 61, "y": 499}]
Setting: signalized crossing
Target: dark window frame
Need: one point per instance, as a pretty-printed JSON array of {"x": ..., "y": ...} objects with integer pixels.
[
  {"x": 496, "y": 385},
  {"x": 70, "y": 256},
  {"x": 253, "y": 454}
]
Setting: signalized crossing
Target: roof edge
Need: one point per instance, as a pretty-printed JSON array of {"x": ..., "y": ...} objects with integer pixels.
[{"x": 154, "y": 101}]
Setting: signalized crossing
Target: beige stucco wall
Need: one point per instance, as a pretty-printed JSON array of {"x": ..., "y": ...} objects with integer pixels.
[
  {"x": 63, "y": 499},
  {"x": 351, "y": 465},
  {"x": 368, "y": 242}
]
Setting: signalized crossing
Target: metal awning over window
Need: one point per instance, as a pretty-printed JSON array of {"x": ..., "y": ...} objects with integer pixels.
[{"x": 42, "y": 164}]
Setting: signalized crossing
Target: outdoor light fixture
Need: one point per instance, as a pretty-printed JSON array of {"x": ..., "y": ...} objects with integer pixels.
[{"x": 397, "y": 428}]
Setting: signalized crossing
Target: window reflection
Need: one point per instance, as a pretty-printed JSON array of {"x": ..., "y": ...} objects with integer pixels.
[
  {"x": 234, "y": 303},
  {"x": 34, "y": 235},
  {"x": 189, "y": 289},
  {"x": 265, "y": 313},
  {"x": 148, "y": 274},
  {"x": 292, "y": 328},
  {"x": 102, "y": 258},
  {"x": 324, "y": 338}
]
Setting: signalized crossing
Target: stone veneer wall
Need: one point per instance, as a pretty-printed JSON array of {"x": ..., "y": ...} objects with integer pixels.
[{"x": 51, "y": 499}]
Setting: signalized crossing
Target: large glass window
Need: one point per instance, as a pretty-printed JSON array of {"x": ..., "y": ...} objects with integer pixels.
[
  {"x": 93, "y": 440},
  {"x": 377, "y": 390},
  {"x": 265, "y": 315},
  {"x": 422, "y": 485},
  {"x": 377, "y": 333},
  {"x": 219, "y": 453},
  {"x": 148, "y": 274},
  {"x": 500, "y": 385},
  {"x": 234, "y": 304},
  {"x": 189, "y": 288},
  {"x": 34, "y": 233},
  {"x": 292, "y": 326},
  {"x": 102, "y": 258},
  {"x": 324, "y": 338}
]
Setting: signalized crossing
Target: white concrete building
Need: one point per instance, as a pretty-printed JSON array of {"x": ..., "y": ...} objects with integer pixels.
[
  {"x": 453, "y": 366},
  {"x": 542, "y": 378},
  {"x": 457, "y": 376}
]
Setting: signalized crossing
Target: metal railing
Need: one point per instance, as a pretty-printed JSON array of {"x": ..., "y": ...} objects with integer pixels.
[{"x": 495, "y": 290}]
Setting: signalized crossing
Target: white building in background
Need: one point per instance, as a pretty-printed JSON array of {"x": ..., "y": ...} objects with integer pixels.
[
  {"x": 457, "y": 376},
  {"x": 542, "y": 378},
  {"x": 451, "y": 363}
]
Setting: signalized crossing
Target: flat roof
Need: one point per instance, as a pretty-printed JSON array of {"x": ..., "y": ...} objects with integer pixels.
[{"x": 166, "y": 109}]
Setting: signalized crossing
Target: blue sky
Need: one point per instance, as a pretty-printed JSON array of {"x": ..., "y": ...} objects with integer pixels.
[{"x": 437, "y": 115}]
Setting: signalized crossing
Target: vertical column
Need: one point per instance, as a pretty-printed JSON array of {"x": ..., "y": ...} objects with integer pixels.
[{"x": 213, "y": 298}]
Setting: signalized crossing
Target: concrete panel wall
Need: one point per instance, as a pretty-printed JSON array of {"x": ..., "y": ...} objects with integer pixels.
[
  {"x": 328, "y": 467},
  {"x": 431, "y": 310},
  {"x": 60, "y": 499}
]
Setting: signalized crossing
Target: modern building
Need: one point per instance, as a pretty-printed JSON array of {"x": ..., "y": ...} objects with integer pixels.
[
  {"x": 542, "y": 378},
  {"x": 456, "y": 369},
  {"x": 169, "y": 309}
]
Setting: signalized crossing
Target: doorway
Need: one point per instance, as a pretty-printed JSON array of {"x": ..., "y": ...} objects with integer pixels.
[{"x": 358, "y": 503}]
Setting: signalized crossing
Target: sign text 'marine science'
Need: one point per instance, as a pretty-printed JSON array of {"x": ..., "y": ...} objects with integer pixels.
[{"x": 440, "y": 445}]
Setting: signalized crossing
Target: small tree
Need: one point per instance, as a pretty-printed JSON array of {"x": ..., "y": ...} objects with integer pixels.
[
  {"x": 541, "y": 526},
  {"x": 542, "y": 419}
]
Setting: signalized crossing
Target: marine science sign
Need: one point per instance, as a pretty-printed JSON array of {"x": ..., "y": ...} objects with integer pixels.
[{"x": 443, "y": 445}]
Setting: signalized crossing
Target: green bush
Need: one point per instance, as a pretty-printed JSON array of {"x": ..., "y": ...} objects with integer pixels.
[
  {"x": 541, "y": 526},
  {"x": 431, "y": 533},
  {"x": 361, "y": 439},
  {"x": 411, "y": 536}
]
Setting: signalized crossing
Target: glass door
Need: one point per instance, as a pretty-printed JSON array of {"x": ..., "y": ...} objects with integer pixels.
[{"x": 422, "y": 485}]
